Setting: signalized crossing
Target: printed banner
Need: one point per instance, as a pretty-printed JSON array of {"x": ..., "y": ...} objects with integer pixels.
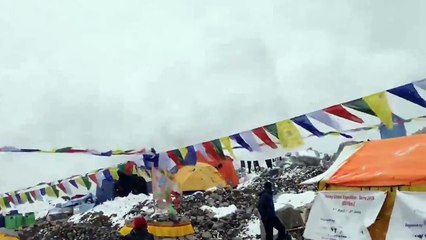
[
  {"x": 408, "y": 219},
  {"x": 343, "y": 215}
]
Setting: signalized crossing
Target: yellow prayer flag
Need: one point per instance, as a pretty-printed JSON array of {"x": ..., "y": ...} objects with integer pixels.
[
  {"x": 183, "y": 152},
  {"x": 289, "y": 135},
  {"x": 24, "y": 198},
  {"x": 114, "y": 174},
  {"x": 2, "y": 204},
  {"x": 50, "y": 192},
  {"x": 48, "y": 151},
  {"x": 117, "y": 152},
  {"x": 226, "y": 142},
  {"x": 80, "y": 181},
  {"x": 379, "y": 104}
]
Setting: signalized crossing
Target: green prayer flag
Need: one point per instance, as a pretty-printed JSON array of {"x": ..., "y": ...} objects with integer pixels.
[
  {"x": 360, "y": 105},
  {"x": 87, "y": 182},
  {"x": 29, "y": 197},
  {"x": 178, "y": 154},
  {"x": 218, "y": 148},
  {"x": 272, "y": 129}
]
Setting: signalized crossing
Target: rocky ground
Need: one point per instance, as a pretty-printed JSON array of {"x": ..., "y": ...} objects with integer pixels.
[{"x": 286, "y": 179}]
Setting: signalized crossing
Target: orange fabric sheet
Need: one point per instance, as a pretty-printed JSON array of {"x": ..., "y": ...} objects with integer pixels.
[{"x": 391, "y": 162}]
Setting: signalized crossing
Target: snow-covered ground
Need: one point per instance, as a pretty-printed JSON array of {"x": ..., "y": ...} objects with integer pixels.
[
  {"x": 294, "y": 200},
  {"x": 117, "y": 209},
  {"x": 220, "y": 212},
  {"x": 40, "y": 208}
]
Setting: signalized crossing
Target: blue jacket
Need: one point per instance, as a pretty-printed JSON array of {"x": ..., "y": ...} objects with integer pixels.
[{"x": 266, "y": 205}]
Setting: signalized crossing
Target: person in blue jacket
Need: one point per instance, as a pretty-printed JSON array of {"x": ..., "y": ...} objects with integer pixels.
[{"x": 267, "y": 213}]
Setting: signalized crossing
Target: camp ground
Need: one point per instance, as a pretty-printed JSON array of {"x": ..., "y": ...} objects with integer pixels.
[{"x": 350, "y": 171}]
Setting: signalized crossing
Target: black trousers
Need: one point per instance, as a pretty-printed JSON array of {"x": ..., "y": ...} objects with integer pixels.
[{"x": 270, "y": 224}]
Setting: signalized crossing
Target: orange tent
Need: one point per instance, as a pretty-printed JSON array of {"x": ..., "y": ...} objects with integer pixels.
[
  {"x": 391, "y": 162},
  {"x": 384, "y": 165},
  {"x": 225, "y": 167}
]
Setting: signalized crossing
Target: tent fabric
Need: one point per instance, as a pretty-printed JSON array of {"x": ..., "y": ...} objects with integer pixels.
[
  {"x": 7, "y": 237},
  {"x": 340, "y": 160},
  {"x": 225, "y": 167},
  {"x": 390, "y": 162},
  {"x": 200, "y": 177}
]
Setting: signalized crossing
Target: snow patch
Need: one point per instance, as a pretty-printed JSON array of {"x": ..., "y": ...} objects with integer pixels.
[
  {"x": 253, "y": 228},
  {"x": 39, "y": 208},
  {"x": 247, "y": 180},
  {"x": 294, "y": 200},
  {"x": 220, "y": 212},
  {"x": 116, "y": 209}
]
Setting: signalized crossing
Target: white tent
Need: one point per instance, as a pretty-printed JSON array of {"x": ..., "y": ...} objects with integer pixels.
[{"x": 344, "y": 155}]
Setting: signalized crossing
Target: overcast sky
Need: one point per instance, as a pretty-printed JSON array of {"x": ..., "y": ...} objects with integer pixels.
[{"x": 168, "y": 74}]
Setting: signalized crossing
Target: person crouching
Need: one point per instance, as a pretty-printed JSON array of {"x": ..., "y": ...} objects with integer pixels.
[{"x": 139, "y": 231}]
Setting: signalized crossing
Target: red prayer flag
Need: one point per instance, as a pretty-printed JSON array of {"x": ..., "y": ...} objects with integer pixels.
[
  {"x": 33, "y": 194},
  {"x": 340, "y": 111},
  {"x": 262, "y": 135},
  {"x": 175, "y": 159},
  {"x": 62, "y": 187},
  {"x": 93, "y": 178},
  {"x": 210, "y": 150}
]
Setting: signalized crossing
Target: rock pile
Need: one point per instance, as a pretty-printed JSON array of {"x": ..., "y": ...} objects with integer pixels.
[
  {"x": 206, "y": 224},
  {"x": 69, "y": 231}
]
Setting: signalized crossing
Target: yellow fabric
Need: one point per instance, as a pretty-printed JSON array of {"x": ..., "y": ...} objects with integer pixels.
[
  {"x": 114, "y": 174},
  {"x": 117, "y": 152},
  {"x": 162, "y": 231},
  {"x": 183, "y": 152},
  {"x": 50, "y": 192},
  {"x": 200, "y": 177},
  {"x": 380, "y": 106},
  {"x": 289, "y": 135},
  {"x": 174, "y": 231},
  {"x": 6, "y": 237},
  {"x": 24, "y": 198},
  {"x": 379, "y": 229},
  {"x": 226, "y": 142},
  {"x": 125, "y": 230},
  {"x": 2, "y": 204},
  {"x": 80, "y": 181}
]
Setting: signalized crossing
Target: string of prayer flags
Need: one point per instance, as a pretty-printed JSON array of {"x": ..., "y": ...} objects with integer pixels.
[{"x": 73, "y": 151}]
